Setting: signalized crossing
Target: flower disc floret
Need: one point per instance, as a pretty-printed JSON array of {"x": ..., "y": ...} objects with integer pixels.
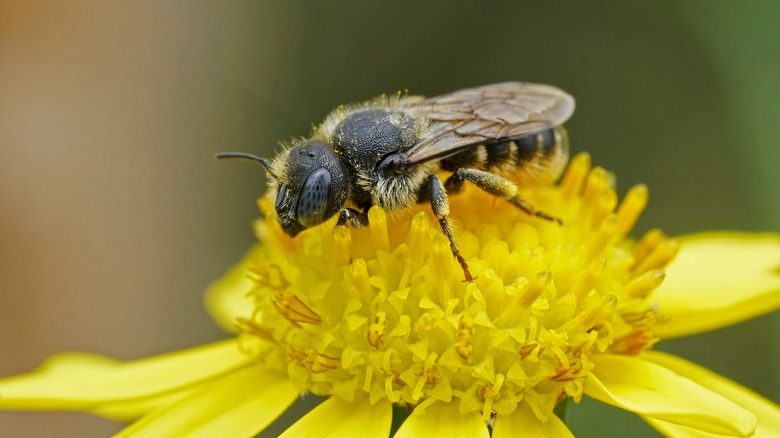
[{"x": 384, "y": 310}]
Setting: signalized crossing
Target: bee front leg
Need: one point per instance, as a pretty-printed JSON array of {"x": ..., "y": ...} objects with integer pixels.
[
  {"x": 497, "y": 186},
  {"x": 352, "y": 218},
  {"x": 437, "y": 196}
]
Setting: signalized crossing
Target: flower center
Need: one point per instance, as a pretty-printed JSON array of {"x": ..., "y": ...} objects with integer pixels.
[{"x": 384, "y": 310}]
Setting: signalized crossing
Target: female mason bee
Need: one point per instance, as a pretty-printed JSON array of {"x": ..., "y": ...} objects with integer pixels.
[{"x": 389, "y": 152}]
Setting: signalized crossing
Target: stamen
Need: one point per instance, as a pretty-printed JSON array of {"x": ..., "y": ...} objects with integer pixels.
[
  {"x": 634, "y": 342},
  {"x": 631, "y": 207},
  {"x": 648, "y": 243},
  {"x": 524, "y": 299},
  {"x": 659, "y": 258},
  {"x": 377, "y": 223},
  {"x": 251, "y": 327},
  {"x": 292, "y": 308},
  {"x": 641, "y": 286},
  {"x": 595, "y": 186},
  {"x": 342, "y": 243},
  {"x": 360, "y": 279},
  {"x": 491, "y": 393},
  {"x": 589, "y": 318},
  {"x": 605, "y": 205},
  {"x": 571, "y": 184},
  {"x": 588, "y": 279},
  {"x": 376, "y": 329}
]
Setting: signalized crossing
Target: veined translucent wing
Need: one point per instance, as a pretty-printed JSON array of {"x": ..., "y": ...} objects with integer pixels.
[{"x": 488, "y": 115}]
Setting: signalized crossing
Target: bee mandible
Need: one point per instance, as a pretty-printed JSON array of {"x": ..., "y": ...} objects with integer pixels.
[{"x": 389, "y": 152}]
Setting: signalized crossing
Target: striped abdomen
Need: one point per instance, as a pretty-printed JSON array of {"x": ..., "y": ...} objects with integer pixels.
[{"x": 534, "y": 157}]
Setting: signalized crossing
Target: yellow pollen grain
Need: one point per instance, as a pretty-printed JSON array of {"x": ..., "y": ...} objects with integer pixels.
[{"x": 631, "y": 207}]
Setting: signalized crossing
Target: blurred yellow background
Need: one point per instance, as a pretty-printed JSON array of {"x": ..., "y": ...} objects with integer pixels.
[{"x": 115, "y": 217}]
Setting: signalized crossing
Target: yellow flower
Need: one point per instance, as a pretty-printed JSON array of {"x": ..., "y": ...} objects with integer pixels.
[{"x": 380, "y": 316}]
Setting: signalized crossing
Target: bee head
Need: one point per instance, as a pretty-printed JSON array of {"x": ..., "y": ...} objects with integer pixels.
[
  {"x": 312, "y": 187},
  {"x": 311, "y": 181}
]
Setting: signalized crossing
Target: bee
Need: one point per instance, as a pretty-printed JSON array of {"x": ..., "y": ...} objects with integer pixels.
[{"x": 390, "y": 151}]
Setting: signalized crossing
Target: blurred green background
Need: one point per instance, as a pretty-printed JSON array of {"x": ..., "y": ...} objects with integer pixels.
[{"x": 115, "y": 216}]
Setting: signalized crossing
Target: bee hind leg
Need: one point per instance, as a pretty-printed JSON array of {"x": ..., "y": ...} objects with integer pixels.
[
  {"x": 352, "y": 218},
  {"x": 436, "y": 194},
  {"x": 497, "y": 186}
]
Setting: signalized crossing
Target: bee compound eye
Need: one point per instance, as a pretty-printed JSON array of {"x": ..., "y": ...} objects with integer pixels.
[{"x": 313, "y": 201}]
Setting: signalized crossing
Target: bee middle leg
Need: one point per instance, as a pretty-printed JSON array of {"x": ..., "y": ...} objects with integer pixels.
[
  {"x": 352, "y": 218},
  {"x": 497, "y": 186},
  {"x": 436, "y": 194}
]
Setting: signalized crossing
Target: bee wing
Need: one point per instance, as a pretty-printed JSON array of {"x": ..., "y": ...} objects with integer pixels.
[{"x": 488, "y": 115}]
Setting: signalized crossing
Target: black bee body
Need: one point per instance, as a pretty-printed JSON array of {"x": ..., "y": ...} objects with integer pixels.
[{"x": 389, "y": 152}]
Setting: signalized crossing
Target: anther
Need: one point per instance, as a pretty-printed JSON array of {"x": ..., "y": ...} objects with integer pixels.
[
  {"x": 657, "y": 259},
  {"x": 524, "y": 299},
  {"x": 641, "y": 286},
  {"x": 292, "y": 308},
  {"x": 251, "y": 327},
  {"x": 375, "y": 329},
  {"x": 571, "y": 184},
  {"x": 648, "y": 243},
  {"x": 588, "y": 278},
  {"x": 342, "y": 242},
  {"x": 633, "y": 343},
  {"x": 377, "y": 223},
  {"x": 631, "y": 207},
  {"x": 595, "y": 186},
  {"x": 589, "y": 318}
]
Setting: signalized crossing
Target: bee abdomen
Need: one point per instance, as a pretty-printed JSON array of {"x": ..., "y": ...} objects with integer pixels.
[{"x": 536, "y": 156}]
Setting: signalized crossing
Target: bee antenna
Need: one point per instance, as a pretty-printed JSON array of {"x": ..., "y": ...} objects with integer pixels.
[{"x": 243, "y": 155}]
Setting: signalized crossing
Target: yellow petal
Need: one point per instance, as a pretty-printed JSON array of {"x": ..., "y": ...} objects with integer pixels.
[
  {"x": 719, "y": 279},
  {"x": 768, "y": 413},
  {"x": 523, "y": 419},
  {"x": 637, "y": 385},
  {"x": 336, "y": 417},
  {"x": 228, "y": 298},
  {"x": 80, "y": 381},
  {"x": 134, "y": 408},
  {"x": 238, "y": 404},
  {"x": 443, "y": 420}
]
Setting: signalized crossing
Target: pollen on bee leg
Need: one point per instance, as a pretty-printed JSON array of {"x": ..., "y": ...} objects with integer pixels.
[
  {"x": 657, "y": 259},
  {"x": 631, "y": 207},
  {"x": 342, "y": 243},
  {"x": 641, "y": 286},
  {"x": 634, "y": 342},
  {"x": 377, "y": 223},
  {"x": 590, "y": 317},
  {"x": 375, "y": 329},
  {"x": 292, "y": 308},
  {"x": 575, "y": 174}
]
